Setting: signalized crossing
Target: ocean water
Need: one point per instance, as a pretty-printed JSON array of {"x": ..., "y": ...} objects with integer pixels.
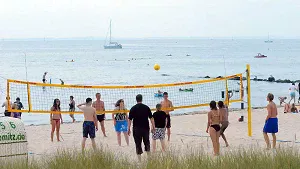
[{"x": 133, "y": 65}]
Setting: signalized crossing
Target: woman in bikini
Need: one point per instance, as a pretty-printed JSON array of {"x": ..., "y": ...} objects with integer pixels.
[
  {"x": 121, "y": 121},
  {"x": 55, "y": 119},
  {"x": 72, "y": 108},
  {"x": 213, "y": 126}
]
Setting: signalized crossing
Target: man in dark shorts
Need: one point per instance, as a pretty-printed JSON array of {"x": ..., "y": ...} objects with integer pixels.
[
  {"x": 100, "y": 111},
  {"x": 90, "y": 122},
  {"x": 19, "y": 105},
  {"x": 167, "y": 107},
  {"x": 139, "y": 114},
  {"x": 6, "y": 104}
]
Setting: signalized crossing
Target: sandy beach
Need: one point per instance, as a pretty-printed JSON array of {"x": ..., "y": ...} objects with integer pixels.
[{"x": 188, "y": 131}]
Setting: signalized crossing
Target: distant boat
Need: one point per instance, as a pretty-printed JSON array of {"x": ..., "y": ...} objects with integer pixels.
[
  {"x": 260, "y": 56},
  {"x": 268, "y": 41},
  {"x": 112, "y": 45},
  {"x": 169, "y": 55},
  {"x": 188, "y": 55}
]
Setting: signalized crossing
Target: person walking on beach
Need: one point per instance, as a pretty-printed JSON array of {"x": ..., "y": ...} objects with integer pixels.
[
  {"x": 160, "y": 122},
  {"x": 139, "y": 114},
  {"x": 167, "y": 107},
  {"x": 44, "y": 77},
  {"x": 293, "y": 90},
  {"x": 224, "y": 113},
  {"x": 72, "y": 108},
  {"x": 90, "y": 122},
  {"x": 99, "y": 106},
  {"x": 55, "y": 119},
  {"x": 271, "y": 122},
  {"x": 213, "y": 126},
  {"x": 121, "y": 121},
  {"x": 5, "y": 105}
]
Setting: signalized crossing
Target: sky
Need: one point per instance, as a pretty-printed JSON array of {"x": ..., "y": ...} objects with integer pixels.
[{"x": 149, "y": 18}]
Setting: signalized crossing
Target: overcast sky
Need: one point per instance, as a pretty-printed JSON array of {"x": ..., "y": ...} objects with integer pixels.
[{"x": 149, "y": 18}]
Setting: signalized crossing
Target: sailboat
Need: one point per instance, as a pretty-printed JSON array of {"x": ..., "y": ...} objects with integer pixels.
[
  {"x": 268, "y": 41},
  {"x": 112, "y": 45}
]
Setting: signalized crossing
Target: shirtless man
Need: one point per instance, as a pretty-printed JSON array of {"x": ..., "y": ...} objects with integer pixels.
[
  {"x": 99, "y": 106},
  {"x": 271, "y": 122},
  {"x": 167, "y": 106},
  {"x": 90, "y": 122}
]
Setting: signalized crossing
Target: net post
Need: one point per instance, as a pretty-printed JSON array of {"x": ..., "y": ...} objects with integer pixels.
[
  {"x": 249, "y": 101},
  {"x": 7, "y": 96},
  {"x": 28, "y": 96}
]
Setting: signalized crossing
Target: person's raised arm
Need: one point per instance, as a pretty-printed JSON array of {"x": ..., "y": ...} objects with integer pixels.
[
  {"x": 79, "y": 105},
  {"x": 208, "y": 121}
]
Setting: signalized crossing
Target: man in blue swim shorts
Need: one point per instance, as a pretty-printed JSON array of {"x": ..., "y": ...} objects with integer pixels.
[
  {"x": 271, "y": 125},
  {"x": 90, "y": 122}
]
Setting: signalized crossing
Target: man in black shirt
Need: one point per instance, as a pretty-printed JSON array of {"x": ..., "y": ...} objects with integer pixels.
[
  {"x": 19, "y": 105},
  {"x": 140, "y": 114},
  {"x": 160, "y": 120}
]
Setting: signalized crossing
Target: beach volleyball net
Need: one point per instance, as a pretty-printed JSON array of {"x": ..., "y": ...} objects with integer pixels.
[{"x": 39, "y": 97}]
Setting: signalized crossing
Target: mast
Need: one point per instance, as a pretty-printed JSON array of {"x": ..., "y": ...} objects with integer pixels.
[{"x": 110, "y": 31}]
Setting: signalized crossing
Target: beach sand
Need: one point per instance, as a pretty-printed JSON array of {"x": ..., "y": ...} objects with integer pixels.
[{"x": 188, "y": 132}]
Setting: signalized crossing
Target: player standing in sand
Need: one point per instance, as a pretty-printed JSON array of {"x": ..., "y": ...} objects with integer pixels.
[
  {"x": 44, "y": 77},
  {"x": 271, "y": 122},
  {"x": 167, "y": 107},
  {"x": 99, "y": 106},
  {"x": 90, "y": 122}
]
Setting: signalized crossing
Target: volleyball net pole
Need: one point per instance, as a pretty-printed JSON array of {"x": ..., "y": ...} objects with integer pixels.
[{"x": 249, "y": 102}]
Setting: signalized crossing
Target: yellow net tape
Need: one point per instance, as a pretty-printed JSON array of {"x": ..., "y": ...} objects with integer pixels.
[{"x": 38, "y": 97}]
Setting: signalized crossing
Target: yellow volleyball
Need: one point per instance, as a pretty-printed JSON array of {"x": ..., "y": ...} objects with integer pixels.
[{"x": 156, "y": 67}]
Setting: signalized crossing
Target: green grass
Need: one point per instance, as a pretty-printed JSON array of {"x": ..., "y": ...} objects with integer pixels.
[{"x": 286, "y": 158}]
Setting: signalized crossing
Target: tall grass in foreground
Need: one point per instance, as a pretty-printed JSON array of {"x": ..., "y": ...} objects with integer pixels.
[{"x": 244, "y": 159}]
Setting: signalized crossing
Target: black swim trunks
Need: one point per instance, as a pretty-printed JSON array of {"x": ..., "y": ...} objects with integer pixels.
[
  {"x": 6, "y": 113},
  {"x": 88, "y": 129},
  {"x": 101, "y": 117},
  {"x": 169, "y": 121},
  {"x": 216, "y": 127}
]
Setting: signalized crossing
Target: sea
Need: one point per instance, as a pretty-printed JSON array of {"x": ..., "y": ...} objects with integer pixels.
[{"x": 191, "y": 59}]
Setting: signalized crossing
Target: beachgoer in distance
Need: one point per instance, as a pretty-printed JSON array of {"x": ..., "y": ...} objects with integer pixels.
[
  {"x": 5, "y": 105},
  {"x": 121, "y": 121},
  {"x": 167, "y": 107},
  {"x": 293, "y": 90},
  {"x": 287, "y": 108},
  {"x": 44, "y": 77},
  {"x": 282, "y": 100},
  {"x": 90, "y": 122},
  {"x": 213, "y": 126},
  {"x": 55, "y": 119},
  {"x": 62, "y": 82},
  {"x": 271, "y": 122},
  {"x": 139, "y": 114},
  {"x": 19, "y": 105},
  {"x": 159, "y": 92},
  {"x": 224, "y": 113},
  {"x": 294, "y": 109},
  {"x": 72, "y": 108},
  {"x": 100, "y": 111},
  {"x": 15, "y": 114},
  {"x": 160, "y": 122}
]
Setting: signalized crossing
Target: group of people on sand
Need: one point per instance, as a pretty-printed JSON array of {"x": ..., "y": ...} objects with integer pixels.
[
  {"x": 17, "y": 105},
  {"x": 288, "y": 107}
]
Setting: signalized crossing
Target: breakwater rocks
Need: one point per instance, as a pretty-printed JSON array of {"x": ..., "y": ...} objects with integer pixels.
[{"x": 270, "y": 79}]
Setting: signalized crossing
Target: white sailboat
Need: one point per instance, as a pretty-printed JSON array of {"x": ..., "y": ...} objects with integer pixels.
[
  {"x": 112, "y": 45},
  {"x": 268, "y": 41}
]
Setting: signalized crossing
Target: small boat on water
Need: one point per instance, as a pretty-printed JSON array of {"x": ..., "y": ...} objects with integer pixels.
[
  {"x": 259, "y": 55},
  {"x": 112, "y": 45},
  {"x": 186, "y": 90},
  {"x": 268, "y": 41}
]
